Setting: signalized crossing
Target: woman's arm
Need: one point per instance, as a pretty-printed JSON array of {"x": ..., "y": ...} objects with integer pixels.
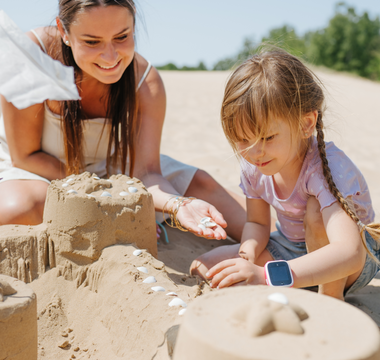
[
  {"x": 23, "y": 129},
  {"x": 256, "y": 231},
  {"x": 152, "y": 107}
]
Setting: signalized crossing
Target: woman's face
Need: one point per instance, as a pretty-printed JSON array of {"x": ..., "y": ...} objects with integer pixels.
[{"x": 102, "y": 42}]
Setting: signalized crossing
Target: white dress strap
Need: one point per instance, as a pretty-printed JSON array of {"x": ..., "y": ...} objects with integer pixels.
[
  {"x": 39, "y": 40},
  {"x": 144, "y": 75}
]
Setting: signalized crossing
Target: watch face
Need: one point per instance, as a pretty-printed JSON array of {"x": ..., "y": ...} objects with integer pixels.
[{"x": 279, "y": 273}]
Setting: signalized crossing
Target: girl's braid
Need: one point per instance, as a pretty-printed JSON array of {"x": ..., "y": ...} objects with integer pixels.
[{"x": 373, "y": 229}]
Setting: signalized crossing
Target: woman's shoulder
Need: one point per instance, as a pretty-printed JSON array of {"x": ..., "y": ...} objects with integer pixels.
[{"x": 48, "y": 35}]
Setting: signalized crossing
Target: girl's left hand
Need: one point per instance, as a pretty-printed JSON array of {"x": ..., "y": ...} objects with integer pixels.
[
  {"x": 236, "y": 272},
  {"x": 191, "y": 214}
]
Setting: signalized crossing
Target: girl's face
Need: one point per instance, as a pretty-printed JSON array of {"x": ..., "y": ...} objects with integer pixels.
[
  {"x": 279, "y": 153},
  {"x": 102, "y": 42}
]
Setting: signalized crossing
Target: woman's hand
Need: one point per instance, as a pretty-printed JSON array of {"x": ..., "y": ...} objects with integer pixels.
[
  {"x": 235, "y": 272},
  {"x": 190, "y": 215}
]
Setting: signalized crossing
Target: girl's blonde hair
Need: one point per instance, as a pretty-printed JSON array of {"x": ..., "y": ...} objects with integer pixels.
[{"x": 275, "y": 84}]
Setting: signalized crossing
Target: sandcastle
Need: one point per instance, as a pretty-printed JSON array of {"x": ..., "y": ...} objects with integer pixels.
[{"x": 83, "y": 215}]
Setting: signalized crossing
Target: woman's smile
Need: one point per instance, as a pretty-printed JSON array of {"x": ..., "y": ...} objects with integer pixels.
[{"x": 107, "y": 68}]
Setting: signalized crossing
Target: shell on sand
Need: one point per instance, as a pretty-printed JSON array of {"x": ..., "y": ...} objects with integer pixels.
[
  {"x": 142, "y": 269},
  {"x": 150, "y": 280},
  {"x": 177, "y": 302}
]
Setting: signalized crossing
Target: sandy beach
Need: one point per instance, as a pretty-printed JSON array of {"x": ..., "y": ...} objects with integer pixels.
[{"x": 113, "y": 314}]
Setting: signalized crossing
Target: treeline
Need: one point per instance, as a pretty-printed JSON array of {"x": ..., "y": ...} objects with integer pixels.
[
  {"x": 201, "y": 67},
  {"x": 350, "y": 42}
]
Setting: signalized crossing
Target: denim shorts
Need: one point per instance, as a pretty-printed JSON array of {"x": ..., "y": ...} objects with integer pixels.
[{"x": 283, "y": 249}]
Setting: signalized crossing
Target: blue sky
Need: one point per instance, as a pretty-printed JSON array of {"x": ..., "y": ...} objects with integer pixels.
[{"x": 186, "y": 32}]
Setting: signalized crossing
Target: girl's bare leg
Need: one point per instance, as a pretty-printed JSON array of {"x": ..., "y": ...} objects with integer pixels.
[
  {"x": 22, "y": 201},
  {"x": 230, "y": 204},
  {"x": 316, "y": 238}
]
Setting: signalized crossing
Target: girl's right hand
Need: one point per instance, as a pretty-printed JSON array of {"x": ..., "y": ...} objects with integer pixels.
[{"x": 190, "y": 215}]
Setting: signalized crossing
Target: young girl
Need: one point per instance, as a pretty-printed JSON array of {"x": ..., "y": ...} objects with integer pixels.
[{"x": 272, "y": 106}]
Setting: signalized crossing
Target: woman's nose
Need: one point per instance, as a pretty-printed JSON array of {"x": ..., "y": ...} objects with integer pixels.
[{"x": 109, "y": 53}]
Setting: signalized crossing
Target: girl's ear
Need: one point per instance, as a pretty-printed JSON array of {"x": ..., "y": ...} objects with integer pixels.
[{"x": 309, "y": 123}]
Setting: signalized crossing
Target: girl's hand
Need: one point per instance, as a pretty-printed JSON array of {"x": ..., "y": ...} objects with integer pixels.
[
  {"x": 235, "y": 272},
  {"x": 191, "y": 214},
  {"x": 158, "y": 231}
]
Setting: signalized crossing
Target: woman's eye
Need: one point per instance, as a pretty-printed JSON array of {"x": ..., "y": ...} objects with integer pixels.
[
  {"x": 121, "y": 38},
  {"x": 91, "y": 42}
]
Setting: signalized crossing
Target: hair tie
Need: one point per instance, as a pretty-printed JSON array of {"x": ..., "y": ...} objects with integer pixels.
[{"x": 361, "y": 226}]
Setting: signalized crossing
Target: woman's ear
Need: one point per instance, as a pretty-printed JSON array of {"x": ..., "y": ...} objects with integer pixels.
[
  {"x": 309, "y": 123},
  {"x": 61, "y": 29}
]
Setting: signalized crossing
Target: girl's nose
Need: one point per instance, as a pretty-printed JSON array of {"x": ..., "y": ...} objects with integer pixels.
[{"x": 257, "y": 151}]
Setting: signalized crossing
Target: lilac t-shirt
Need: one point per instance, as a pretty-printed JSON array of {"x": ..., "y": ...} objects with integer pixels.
[{"x": 311, "y": 182}]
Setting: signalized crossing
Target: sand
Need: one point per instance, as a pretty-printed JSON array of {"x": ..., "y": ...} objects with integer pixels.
[{"x": 109, "y": 312}]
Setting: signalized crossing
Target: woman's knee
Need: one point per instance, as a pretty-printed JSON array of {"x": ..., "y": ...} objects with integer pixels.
[{"x": 22, "y": 204}]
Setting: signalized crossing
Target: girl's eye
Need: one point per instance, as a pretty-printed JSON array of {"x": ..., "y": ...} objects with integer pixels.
[{"x": 269, "y": 138}]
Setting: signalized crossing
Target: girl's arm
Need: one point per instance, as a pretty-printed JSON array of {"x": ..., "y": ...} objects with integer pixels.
[
  {"x": 256, "y": 230},
  {"x": 23, "y": 130},
  {"x": 152, "y": 107},
  {"x": 342, "y": 257}
]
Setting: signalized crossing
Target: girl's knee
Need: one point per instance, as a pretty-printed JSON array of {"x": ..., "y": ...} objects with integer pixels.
[
  {"x": 204, "y": 180},
  {"x": 313, "y": 220}
]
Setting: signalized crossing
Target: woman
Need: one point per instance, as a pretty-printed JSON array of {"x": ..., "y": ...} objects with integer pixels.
[{"x": 115, "y": 127}]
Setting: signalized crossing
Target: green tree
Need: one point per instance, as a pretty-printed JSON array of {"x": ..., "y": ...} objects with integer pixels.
[{"x": 350, "y": 42}]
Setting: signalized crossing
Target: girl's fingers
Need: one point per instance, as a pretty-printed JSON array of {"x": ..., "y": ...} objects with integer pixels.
[
  {"x": 217, "y": 217},
  {"x": 233, "y": 279},
  {"x": 220, "y": 267}
]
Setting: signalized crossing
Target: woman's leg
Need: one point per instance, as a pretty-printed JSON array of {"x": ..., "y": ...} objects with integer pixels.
[
  {"x": 230, "y": 204},
  {"x": 316, "y": 238},
  {"x": 22, "y": 201}
]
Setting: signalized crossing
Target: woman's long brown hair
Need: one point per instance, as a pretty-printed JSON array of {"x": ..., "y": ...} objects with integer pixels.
[
  {"x": 122, "y": 104},
  {"x": 275, "y": 83}
]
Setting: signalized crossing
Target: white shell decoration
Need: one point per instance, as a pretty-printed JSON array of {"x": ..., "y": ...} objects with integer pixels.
[
  {"x": 106, "y": 193},
  {"x": 202, "y": 226},
  {"x": 205, "y": 219},
  {"x": 65, "y": 185},
  {"x": 158, "y": 288},
  {"x": 130, "y": 182},
  {"x": 177, "y": 302},
  {"x": 96, "y": 177},
  {"x": 109, "y": 180},
  {"x": 171, "y": 294},
  {"x": 182, "y": 311},
  {"x": 137, "y": 252},
  {"x": 72, "y": 192},
  {"x": 132, "y": 189},
  {"x": 209, "y": 224},
  {"x": 91, "y": 196},
  {"x": 143, "y": 269},
  {"x": 150, "y": 280},
  {"x": 278, "y": 297},
  {"x": 69, "y": 180},
  {"x": 124, "y": 193}
]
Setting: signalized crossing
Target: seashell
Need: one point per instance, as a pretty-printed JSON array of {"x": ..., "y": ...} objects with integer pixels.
[
  {"x": 69, "y": 180},
  {"x": 278, "y": 297},
  {"x": 106, "y": 193},
  {"x": 137, "y": 252},
  {"x": 96, "y": 177},
  {"x": 143, "y": 269},
  {"x": 130, "y": 182},
  {"x": 158, "y": 288},
  {"x": 202, "y": 226},
  {"x": 72, "y": 192},
  {"x": 205, "y": 219},
  {"x": 65, "y": 185},
  {"x": 91, "y": 196},
  {"x": 132, "y": 189},
  {"x": 150, "y": 280},
  {"x": 209, "y": 224},
  {"x": 177, "y": 302},
  {"x": 109, "y": 180},
  {"x": 124, "y": 193},
  {"x": 171, "y": 294},
  {"x": 182, "y": 311}
]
